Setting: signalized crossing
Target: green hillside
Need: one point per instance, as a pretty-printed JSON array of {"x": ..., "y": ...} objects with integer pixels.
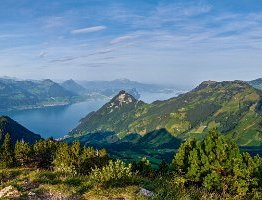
[
  {"x": 156, "y": 145},
  {"x": 231, "y": 106},
  {"x": 16, "y": 131},
  {"x": 114, "y": 116}
]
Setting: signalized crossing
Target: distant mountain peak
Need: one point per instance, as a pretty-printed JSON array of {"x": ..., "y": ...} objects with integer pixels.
[
  {"x": 122, "y": 98},
  {"x": 122, "y": 80},
  {"x": 69, "y": 81},
  {"x": 259, "y": 79},
  {"x": 48, "y": 80},
  {"x": 213, "y": 84},
  {"x": 73, "y": 86},
  {"x": 209, "y": 82}
]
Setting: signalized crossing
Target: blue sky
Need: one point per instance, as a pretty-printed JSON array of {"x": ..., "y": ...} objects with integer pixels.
[{"x": 173, "y": 42}]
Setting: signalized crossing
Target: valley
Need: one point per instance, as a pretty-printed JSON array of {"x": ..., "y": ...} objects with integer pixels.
[
  {"x": 129, "y": 134},
  {"x": 130, "y": 100},
  {"x": 68, "y": 115}
]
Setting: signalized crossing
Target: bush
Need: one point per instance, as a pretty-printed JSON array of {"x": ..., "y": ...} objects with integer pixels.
[
  {"x": 77, "y": 160},
  {"x": 44, "y": 152},
  {"x": 45, "y": 177},
  {"x": 143, "y": 168},
  {"x": 73, "y": 181},
  {"x": 9, "y": 174},
  {"x": 217, "y": 165},
  {"x": 23, "y": 153},
  {"x": 114, "y": 172}
]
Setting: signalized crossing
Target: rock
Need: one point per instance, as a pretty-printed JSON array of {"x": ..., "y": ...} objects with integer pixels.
[
  {"x": 146, "y": 192},
  {"x": 9, "y": 191},
  {"x": 31, "y": 194}
]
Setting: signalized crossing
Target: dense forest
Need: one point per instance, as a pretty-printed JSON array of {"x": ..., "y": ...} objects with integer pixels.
[{"x": 212, "y": 168}]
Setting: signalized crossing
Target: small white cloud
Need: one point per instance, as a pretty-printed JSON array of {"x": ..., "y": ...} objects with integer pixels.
[
  {"x": 88, "y": 29},
  {"x": 121, "y": 39}
]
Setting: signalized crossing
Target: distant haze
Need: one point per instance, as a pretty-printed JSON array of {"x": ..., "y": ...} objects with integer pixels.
[{"x": 159, "y": 41}]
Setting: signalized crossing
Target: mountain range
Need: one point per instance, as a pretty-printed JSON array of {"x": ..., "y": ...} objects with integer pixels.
[
  {"x": 18, "y": 94},
  {"x": 234, "y": 107},
  {"x": 130, "y": 128},
  {"x": 123, "y": 84}
]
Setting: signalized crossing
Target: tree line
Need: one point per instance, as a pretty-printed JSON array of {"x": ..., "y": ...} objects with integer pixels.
[
  {"x": 52, "y": 155},
  {"x": 213, "y": 163}
]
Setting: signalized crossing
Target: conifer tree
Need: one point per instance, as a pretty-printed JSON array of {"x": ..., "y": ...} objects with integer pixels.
[
  {"x": 75, "y": 154},
  {"x": 7, "y": 153},
  {"x": 163, "y": 168},
  {"x": 217, "y": 164},
  {"x": 62, "y": 161},
  {"x": 44, "y": 153},
  {"x": 23, "y": 153}
]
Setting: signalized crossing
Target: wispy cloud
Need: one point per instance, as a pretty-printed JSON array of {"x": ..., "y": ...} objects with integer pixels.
[
  {"x": 162, "y": 37},
  {"x": 185, "y": 9},
  {"x": 122, "y": 39},
  {"x": 65, "y": 59},
  {"x": 88, "y": 29}
]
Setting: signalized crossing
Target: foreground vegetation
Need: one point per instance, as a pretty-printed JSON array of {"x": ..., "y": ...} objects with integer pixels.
[{"x": 213, "y": 168}]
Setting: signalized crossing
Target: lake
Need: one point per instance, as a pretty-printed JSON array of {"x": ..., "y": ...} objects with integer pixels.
[
  {"x": 54, "y": 121},
  {"x": 58, "y": 121}
]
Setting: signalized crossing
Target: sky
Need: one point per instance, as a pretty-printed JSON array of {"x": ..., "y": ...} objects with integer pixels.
[{"x": 158, "y": 41}]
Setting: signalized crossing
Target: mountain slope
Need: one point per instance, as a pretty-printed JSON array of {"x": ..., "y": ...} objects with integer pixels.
[
  {"x": 16, "y": 131},
  {"x": 15, "y": 94},
  {"x": 116, "y": 114},
  {"x": 73, "y": 87},
  {"x": 231, "y": 106},
  {"x": 45, "y": 89},
  {"x": 256, "y": 83}
]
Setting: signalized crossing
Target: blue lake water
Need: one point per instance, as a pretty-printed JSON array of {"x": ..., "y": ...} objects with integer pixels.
[
  {"x": 54, "y": 121},
  {"x": 58, "y": 121}
]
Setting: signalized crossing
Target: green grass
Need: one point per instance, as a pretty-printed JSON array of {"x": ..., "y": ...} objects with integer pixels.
[{"x": 45, "y": 183}]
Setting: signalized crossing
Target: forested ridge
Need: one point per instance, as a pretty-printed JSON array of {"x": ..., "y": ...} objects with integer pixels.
[{"x": 233, "y": 107}]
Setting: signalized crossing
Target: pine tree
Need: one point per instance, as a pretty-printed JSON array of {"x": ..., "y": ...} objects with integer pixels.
[
  {"x": 44, "y": 153},
  {"x": 7, "y": 153},
  {"x": 163, "y": 168},
  {"x": 217, "y": 164},
  {"x": 75, "y": 154},
  {"x": 62, "y": 161},
  {"x": 23, "y": 153},
  {"x": 180, "y": 161}
]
